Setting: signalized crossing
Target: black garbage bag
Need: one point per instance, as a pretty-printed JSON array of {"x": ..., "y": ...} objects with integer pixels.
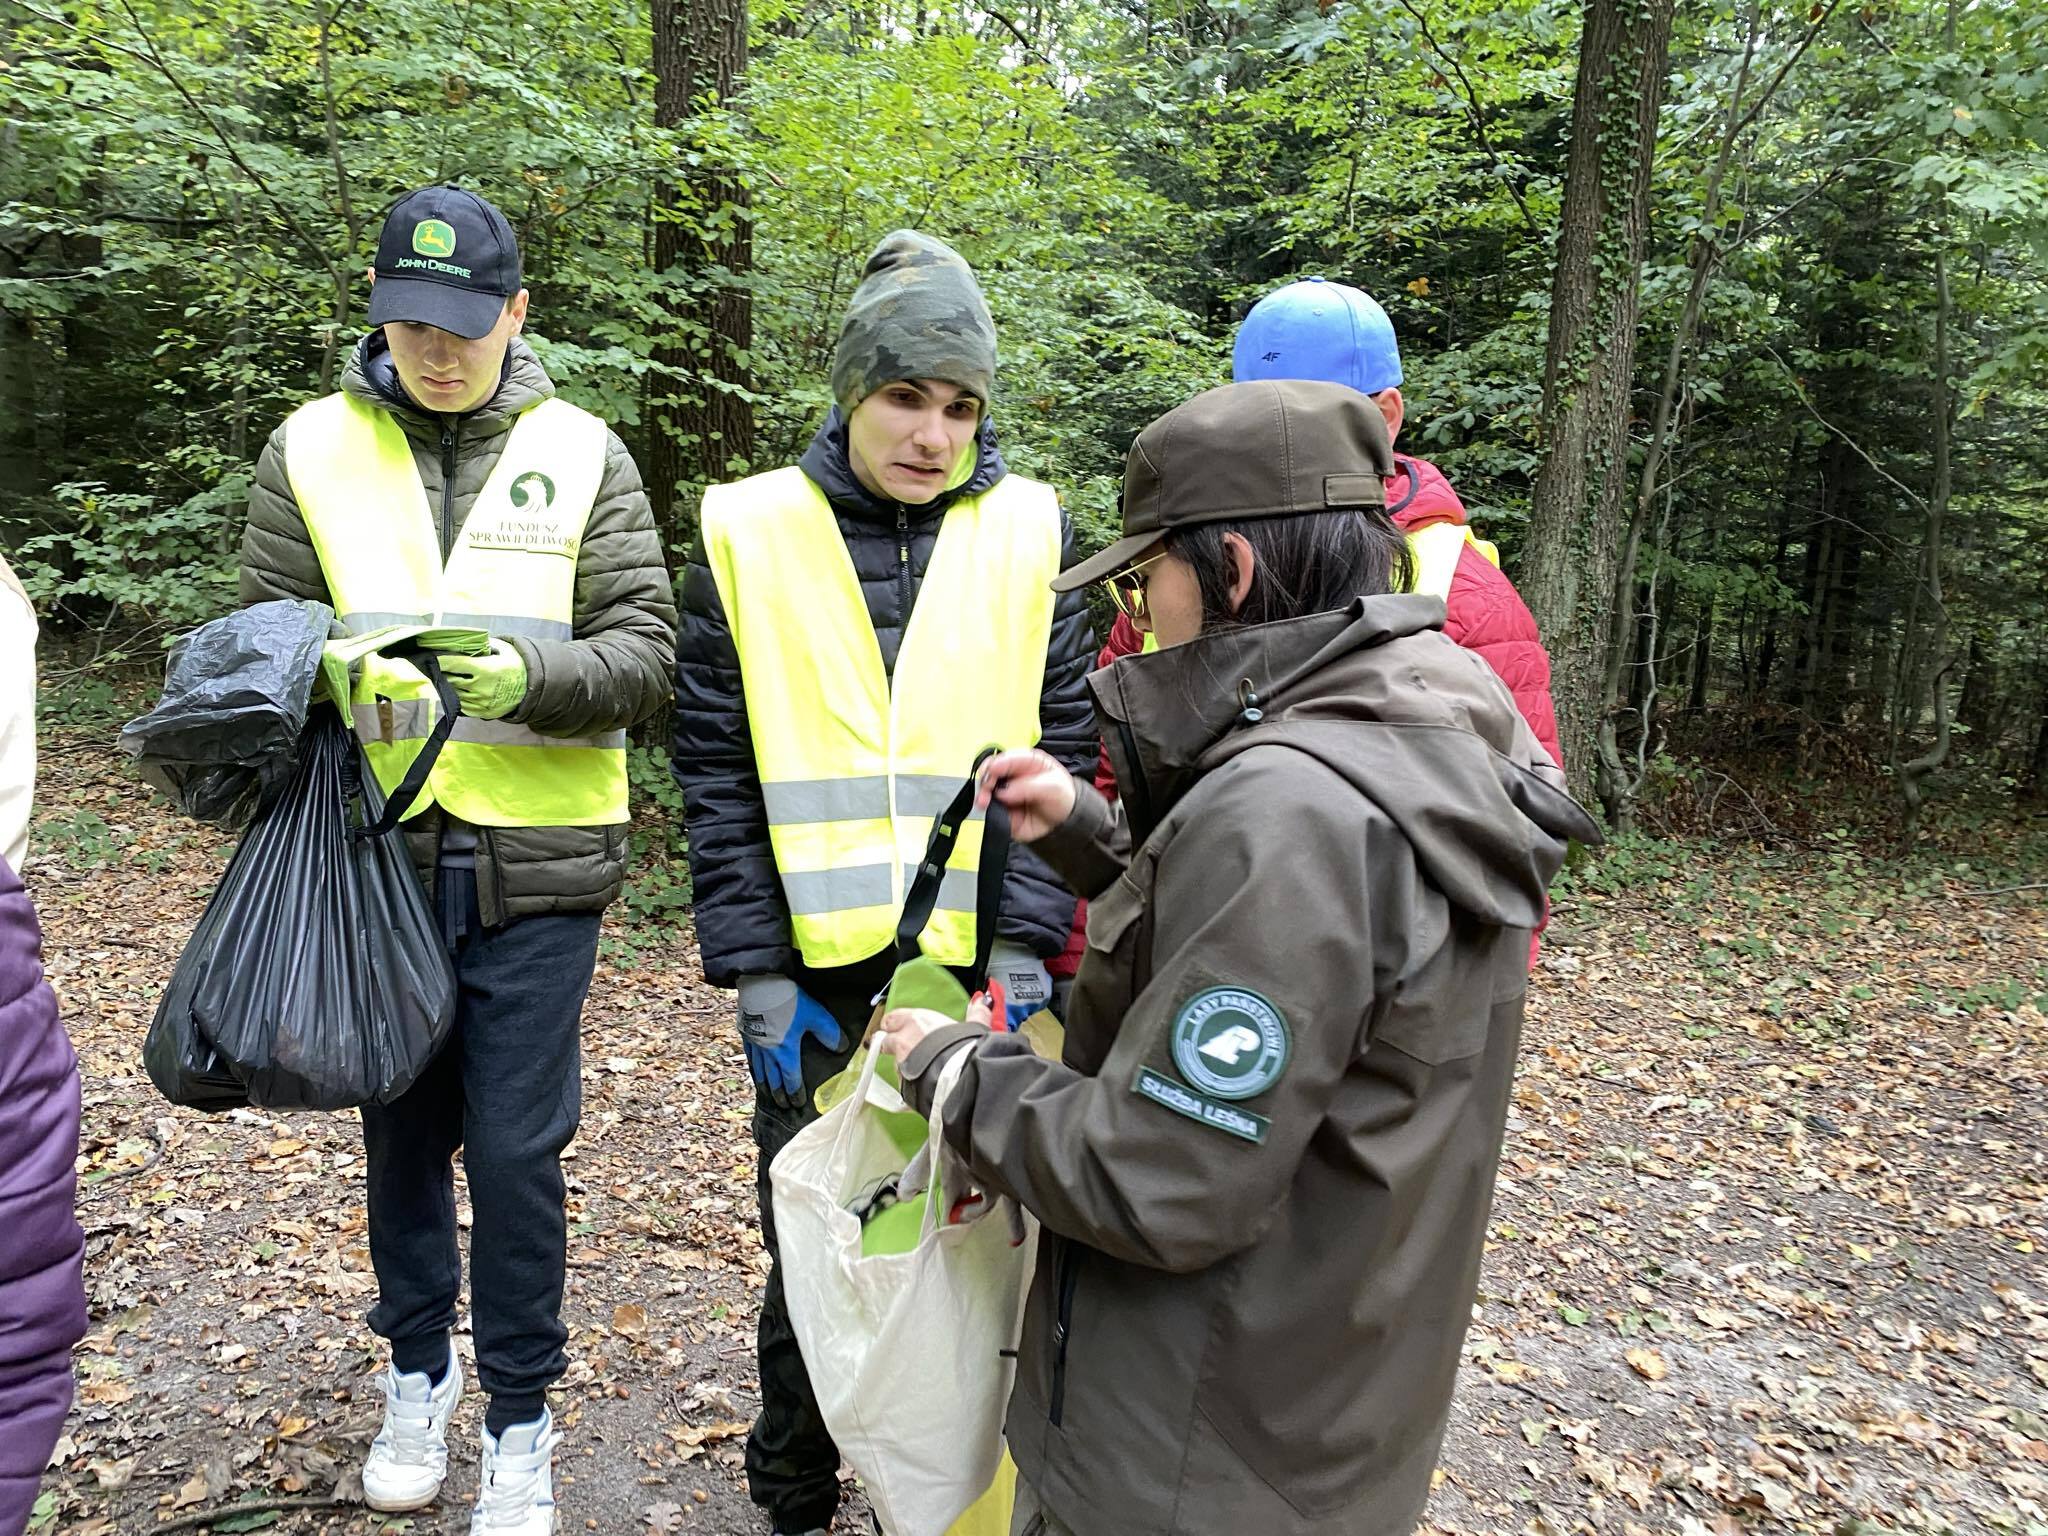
[
  {"x": 222, "y": 741},
  {"x": 180, "y": 1061},
  {"x": 317, "y": 977}
]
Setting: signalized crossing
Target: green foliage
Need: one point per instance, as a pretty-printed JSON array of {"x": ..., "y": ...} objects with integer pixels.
[
  {"x": 657, "y": 898},
  {"x": 1628, "y": 862},
  {"x": 84, "y": 840},
  {"x": 189, "y": 193},
  {"x": 121, "y": 550}
]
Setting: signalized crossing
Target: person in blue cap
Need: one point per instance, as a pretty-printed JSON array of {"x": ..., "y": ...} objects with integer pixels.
[
  {"x": 1320, "y": 330},
  {"x": 1317, "y": 329}
]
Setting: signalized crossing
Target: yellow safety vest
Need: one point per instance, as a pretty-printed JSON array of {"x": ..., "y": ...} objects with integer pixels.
[
  {"x": 512, "y": 571},
  {"x": 854, "y": 764},
  {"x": 1436, "y": 550}
]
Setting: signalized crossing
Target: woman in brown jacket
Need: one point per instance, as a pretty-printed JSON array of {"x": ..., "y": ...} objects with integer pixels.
[{"x": 1264, "y": 1165}]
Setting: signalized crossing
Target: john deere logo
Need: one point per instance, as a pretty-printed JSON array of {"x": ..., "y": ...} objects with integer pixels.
[
  {"x": 433, "y": 237},
  {"x": 524, "y": 487},
  {"x": 1230, "y": 1043}
]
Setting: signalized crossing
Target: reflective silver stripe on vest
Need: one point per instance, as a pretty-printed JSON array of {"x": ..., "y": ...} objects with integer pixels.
[
  {"x": 500, "y": 624},
  {"x": 796, "y": 802},
  {"x": 363, "y": 623},
  {"x": 411, "y": 719},
  {"x": 956, "y": 888},
  {"x": 496, "y": 624},
  {"x": 926, "y": 794},
  {"x": 503, "y": 733},
  {"x": 792, "y": 802},
  {"x": 812, "y": 893}
]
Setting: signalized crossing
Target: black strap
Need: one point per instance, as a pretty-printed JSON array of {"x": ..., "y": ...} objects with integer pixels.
[
  {"x": 922, "y": 899},
  {"x": 408, "y": 788},
  {"x": 1407, "y": 467}
]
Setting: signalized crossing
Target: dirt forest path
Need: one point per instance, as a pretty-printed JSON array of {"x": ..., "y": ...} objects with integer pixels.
[{"x": 1767, "y": 1253}]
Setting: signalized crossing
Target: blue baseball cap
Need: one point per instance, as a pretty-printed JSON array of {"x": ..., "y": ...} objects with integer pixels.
[{"x": 1317, "y": 329}]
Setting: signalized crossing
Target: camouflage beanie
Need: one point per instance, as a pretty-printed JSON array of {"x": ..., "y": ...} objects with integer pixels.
[{"x": 918, "y": 314}]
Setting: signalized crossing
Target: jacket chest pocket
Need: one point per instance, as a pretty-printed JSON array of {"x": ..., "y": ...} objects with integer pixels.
[
  {"x": 1114, "y": 915},
  {"x": 1113, "y": 968}
]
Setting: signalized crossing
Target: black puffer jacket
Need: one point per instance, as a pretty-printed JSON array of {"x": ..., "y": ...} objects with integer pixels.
[{"x": 742, "y": 920}]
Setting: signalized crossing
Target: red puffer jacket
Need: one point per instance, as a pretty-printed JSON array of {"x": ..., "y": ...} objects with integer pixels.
[{"x": 1483, "y": 613}]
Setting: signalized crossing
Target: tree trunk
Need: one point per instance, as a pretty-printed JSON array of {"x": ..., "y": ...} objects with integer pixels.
[
  {"x": 1767, "y": 648},
  {"x": 1977, "y": 709},
  {"x": 1813, "y": 597},
  {"x": 21, "y": 468},
  {"x": 702, "y": 414},
  {"x": 1582, "y": 487},
  {"x": 1706, "y": 253},
  {"x": 20, "y": 464},
  {"x": 1912, "y": 776},
  {"x": 2037, "y": 766},
  {"x": 1702, "y": 659}
]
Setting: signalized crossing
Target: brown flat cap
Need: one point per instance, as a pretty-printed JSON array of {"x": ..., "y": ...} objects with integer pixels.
[{"x": 1266, "y": 449}]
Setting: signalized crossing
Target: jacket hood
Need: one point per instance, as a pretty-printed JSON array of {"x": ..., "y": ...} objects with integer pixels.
[
  {"x": 829, "y": 463},
  {"x": 522, "y": 384},
  {"x": 1419, "y": 495},
  {"x": 1381, "y": 697}
]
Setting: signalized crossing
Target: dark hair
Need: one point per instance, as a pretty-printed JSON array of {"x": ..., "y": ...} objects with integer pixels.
[{"x": 1304, "y": 563}]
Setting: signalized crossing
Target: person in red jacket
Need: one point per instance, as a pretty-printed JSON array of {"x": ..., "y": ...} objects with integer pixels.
[{"x": 1317, "y": 329}]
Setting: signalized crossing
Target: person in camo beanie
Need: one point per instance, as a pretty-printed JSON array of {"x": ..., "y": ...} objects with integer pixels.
[
  {"x": 796, "y": 653},
  {"x": 917, "y": 314}
]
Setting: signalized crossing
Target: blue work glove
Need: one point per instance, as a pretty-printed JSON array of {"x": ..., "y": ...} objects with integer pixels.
[
  {"x": 1026, "y": 983},
  {"x": 775, "y": 1015}
]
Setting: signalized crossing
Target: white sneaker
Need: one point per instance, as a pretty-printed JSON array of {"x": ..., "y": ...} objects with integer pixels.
[
  {"x": 516, "y": 1493},
  {"x": 409, "y": 1457}
]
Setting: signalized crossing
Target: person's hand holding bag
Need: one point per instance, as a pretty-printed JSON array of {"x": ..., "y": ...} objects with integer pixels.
[{"x": 901, "y": 1031}]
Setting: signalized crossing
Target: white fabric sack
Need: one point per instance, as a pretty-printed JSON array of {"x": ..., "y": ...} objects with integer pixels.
[
  {"x": 911, "y": 1354},
  {"x": 17, "y": 717}
]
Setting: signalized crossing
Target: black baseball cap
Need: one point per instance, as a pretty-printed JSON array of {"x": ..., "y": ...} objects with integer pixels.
[{"x": 446, "y": 258}]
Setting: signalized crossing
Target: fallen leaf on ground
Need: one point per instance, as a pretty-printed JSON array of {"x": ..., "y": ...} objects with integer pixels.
[{"x": 1648, "y": 1364}]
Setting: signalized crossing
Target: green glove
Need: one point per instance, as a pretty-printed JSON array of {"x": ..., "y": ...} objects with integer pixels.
[{"x": 490, "y": 686}]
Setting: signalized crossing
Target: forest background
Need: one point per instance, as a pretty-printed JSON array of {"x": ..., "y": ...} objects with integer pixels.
[{"x": 1727, "y": 318}]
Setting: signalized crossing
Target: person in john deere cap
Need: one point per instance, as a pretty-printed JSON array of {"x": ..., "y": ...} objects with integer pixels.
[
  {"x": 447, "y": 485},
  {"x": 856, "y": 628},
  {"x": 1263, "y": 1164}
]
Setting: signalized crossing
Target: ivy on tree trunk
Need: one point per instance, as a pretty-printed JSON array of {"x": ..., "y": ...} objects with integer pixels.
[{"x": 1583, "y": 486}]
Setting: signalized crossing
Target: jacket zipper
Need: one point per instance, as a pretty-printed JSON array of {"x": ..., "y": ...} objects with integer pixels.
[
  {"x": 1137, "y": 794},
  {"x": 897, "y": 882},
  {"x": 448, "y": 433},
  {"x": 903, "y": 568},
  {"x": 1063, "y": 1283}
]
